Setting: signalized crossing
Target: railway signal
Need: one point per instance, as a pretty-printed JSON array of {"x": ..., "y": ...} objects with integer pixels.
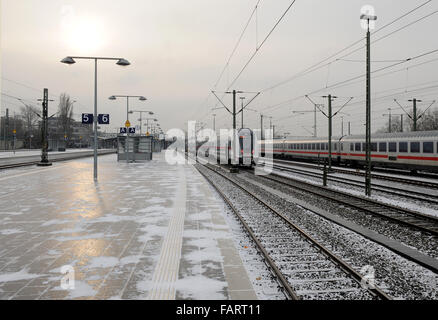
[{"x": 44, "y": 130}]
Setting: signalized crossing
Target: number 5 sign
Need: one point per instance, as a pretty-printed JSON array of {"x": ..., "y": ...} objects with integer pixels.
[
  {"x": 104, "y": 119},
  {"x": 87, "y": 118}
]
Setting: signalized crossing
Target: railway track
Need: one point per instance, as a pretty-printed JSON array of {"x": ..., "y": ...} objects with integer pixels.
[
  {"x": 304, "y": 267},
  {"x": 396, "y": 214},
  {"x": 419, "y": 183},
  {"x": 55, "y": 158},
  {"x": 414, "y": 195}
]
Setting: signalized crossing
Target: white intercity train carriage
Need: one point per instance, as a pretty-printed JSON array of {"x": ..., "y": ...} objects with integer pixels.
[{"x": 410, "y": 151}]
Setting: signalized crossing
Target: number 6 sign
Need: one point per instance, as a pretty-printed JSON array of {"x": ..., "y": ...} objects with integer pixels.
[{"x": 104, "y": 119}]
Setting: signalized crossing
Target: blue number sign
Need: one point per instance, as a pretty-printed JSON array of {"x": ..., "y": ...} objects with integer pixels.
[
  {"x": 87, "y": 118},
  {"x": 103, "y": 119}
]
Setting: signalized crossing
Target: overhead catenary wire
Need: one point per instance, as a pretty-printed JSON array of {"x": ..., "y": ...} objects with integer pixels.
[
  {"x": 261, "y": 44},
  {"x": 318, "y": 66}
]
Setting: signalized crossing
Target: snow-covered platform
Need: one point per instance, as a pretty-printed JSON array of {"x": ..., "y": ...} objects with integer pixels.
[{"x": 144, "y": 231}]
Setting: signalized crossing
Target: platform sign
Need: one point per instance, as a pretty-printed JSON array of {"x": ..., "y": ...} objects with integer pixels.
[
  {"x": 123, "y": 130},
  {"x": 103, "y": 119},
  {"x": 87, "y": 118},
  {"x": 131, "y": 130}
]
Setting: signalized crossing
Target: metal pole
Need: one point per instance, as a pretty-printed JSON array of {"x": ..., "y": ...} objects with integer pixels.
[
  {"x": 330, "y": 130},
  {"x": 141, "y": 113},
  {"x": 127, "y": 108},
  {"x": 7, "y": 129},
  {"x": 234, "y": 110},
  {"x": 261, "y": 127},
  {"x": 95, "y": 120},
  {"x": 368, "y": 116},
  {"x": 390, "y": 122},
  {"x": 44, "y": 130},
  {"x": 415, "y": 114},
  {"x": 314, "y": 123},
  {"x": 242, "y": 113},
  {"x": 401, "y": 123},
  {"x": 15, "y": 132},
  {"x": 342, "y": 127}
]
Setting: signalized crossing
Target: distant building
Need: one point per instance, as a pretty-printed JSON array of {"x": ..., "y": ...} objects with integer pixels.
[{"x": 80, "y": 136}]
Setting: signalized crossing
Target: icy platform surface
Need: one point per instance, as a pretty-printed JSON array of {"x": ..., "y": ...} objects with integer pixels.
[{"x": 144, "y": 231}]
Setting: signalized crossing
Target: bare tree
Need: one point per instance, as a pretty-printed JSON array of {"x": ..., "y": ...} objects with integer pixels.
[
  {"x": 29, "y": 117},
  {"x": 65, "y": 115},
  {"x": 427, "y": 121},
  {"x": 395, "y": 126}
]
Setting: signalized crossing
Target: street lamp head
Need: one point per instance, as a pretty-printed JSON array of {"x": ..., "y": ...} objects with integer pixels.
[
  {"x": 151, "y": 113},
  {"x": 368, "y": 17},
  {"x": 112, "y": 98},
  {"x": 68, "y": 60},
  {"x": 142, "y": 98},
  {"x": 123, "y": 62}
]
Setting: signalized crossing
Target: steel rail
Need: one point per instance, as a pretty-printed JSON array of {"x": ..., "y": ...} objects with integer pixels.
[
  {"x": 290, "y": 292},
  {"x": 415, "y": 195},
  {"x": 415, "y": 219},
  {"x": 426, "y": 184},
  {"x": 333, "y": 257}
]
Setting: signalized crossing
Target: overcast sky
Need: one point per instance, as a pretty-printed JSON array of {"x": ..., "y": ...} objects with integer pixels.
[{"x": 178, "y": 49}]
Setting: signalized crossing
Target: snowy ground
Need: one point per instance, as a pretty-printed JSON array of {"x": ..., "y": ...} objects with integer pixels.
[{"x": 144, "y": 231}]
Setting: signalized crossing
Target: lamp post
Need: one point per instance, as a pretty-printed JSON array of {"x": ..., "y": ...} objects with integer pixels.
[
  {"x": 141, "y": 98},
  {"x": 368, "y": 18},
  {"x": 147, "y": 123},
  {"x": 127, "y": 124},
  {"x": 121, "y": 62},
  {"x": 141, "y": 115}
]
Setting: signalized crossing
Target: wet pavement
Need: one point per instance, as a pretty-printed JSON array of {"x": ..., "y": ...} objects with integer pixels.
[{"x": 144, "y": 231}]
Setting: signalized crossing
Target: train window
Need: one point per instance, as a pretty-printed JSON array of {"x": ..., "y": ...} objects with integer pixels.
[
  {"x": 382, "y": 147},
  {"x": 351, "y": 147},
  {"x": 313, "y": 146},
  {"x": 342, "y": 147},
  {"x": 364, "y": 147},
  {"x": 403, "y": 147},
  {"x": 415, "y": 147},
  {"x": 374, "y": 147},
  {"x": 427, "y": 147},
  {"x": 335, "y": 145},
  {"x": 357, "y": 148},
  {"x": 326, "y": 146},
  {"x": 392, "y": 147},
  {"x": 309, "y": 146}
]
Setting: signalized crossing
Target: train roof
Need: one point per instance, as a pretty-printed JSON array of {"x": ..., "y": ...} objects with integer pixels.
[
  {"x": 396, "y": 135},
  {"x": 389, "y": 136}
]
